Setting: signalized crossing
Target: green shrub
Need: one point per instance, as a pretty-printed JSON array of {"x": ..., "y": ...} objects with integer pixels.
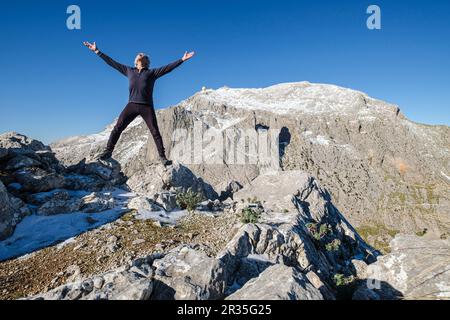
[
  {"x": 250, "y": 215},
  {"x": 341, "y": 280},
  {"x": 333, "y": 245},
  {"x": 189, "y": 200},
  {"x": 318, "y": 231}
]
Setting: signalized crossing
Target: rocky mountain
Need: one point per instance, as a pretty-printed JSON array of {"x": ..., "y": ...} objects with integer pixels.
[
  {"x": 387, "y": 173},
  {"x": 314, "y": 223}
]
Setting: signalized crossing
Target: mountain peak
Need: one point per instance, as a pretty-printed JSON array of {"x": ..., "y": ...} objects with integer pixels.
[{"x": 299, "y": 97}]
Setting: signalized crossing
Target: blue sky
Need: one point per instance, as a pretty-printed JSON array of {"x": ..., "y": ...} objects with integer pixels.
[{"x": 53, "y": 87}]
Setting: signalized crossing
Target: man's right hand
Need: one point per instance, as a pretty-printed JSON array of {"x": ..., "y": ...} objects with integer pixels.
[{"x": 91, "y": 46}]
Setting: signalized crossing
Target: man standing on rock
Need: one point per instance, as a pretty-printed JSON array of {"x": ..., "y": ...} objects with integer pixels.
[{"x": 142, "y": 80}]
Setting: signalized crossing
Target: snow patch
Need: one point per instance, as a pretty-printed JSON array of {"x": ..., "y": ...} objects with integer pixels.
[
  {"x": 36, "y": 232},
  {"x": 302, "y": 97},
  {"x": 162, "y": 216},
  {"x": 445, "y": 176}
]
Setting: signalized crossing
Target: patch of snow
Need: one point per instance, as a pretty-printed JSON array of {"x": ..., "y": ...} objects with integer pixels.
[
  {"x": 36, "y": 232},
  {"x": 444, "y": 289},
  {"x": 259, "y": 257},
  {"x": 321, "y": 140},
  {"x": 65, "y": 243},
  {"x": 445, "y": 176},
  {"x": 302, "y": 97},
  {"x": 162, "y": 216}
]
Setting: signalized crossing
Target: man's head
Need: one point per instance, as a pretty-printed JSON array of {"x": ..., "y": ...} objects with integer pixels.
[{"x": 142, "y": 61}]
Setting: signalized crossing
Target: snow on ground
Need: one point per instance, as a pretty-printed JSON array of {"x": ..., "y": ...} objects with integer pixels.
[
  {"x": 446, "y": 176},
  {"x": 36, "y": 232},
  {"x": 300, "y": 96},
  {"x": 164, "y": 217}
]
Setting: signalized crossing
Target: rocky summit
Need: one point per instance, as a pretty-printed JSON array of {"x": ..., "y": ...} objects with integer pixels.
[{"x": 355, "y": 204}]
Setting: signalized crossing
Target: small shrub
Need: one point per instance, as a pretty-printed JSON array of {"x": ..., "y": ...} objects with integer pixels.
[
  {"x": 318, "y": 231},
  {"x": 250, "y": 215},
  {"x": 341, "y": 280},
  {"x": 285, "y": 211},
  {"x": 189, "y": 200},
  {"x": 333, "y": 245}
]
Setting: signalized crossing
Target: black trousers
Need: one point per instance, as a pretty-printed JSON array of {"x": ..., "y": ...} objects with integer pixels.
[{"x": 131, "y": 111}]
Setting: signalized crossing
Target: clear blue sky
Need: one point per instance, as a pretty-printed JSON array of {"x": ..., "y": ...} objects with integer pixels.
[{"x": 53, "y": 87}]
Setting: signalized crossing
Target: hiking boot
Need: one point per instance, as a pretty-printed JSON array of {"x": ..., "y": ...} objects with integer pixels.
[
  {"x": 165, "y": 162},
  {"x": 105, "y": 155}
]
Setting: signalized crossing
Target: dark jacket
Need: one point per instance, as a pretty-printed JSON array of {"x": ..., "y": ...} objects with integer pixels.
[{"x": 141, "y": 83}]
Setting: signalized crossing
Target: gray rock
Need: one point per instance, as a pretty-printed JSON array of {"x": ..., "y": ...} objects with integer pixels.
[
  {"x": 183, "y": 274},
  {"x": 59, "y": 205},
  {"x": 231, "y": 188},
  {"x": 6, "y": 214},
  {"x": 156, "y": 178},
  {"x": 125, "y": 283},
  {"x": 416, "y": 268},
  {"x": 3, "y": 153},
  {"x": 97, "y": 202},
  {"x": 168, "y": 200},
  {"x": 143, "y": 203},
  {"x": 278, "y": 282},
  {"x": 20, "y": 162},
  {"x": 18, "y": 144},
  {"x": 38, "y": 180}
]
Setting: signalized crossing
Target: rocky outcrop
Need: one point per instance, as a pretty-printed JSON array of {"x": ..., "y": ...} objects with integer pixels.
[
  {"x": 376, "y": 163},
  {"x": 176, "y": 178},
  {"x": 6, "y": 213},
  {"x": 278, "y": 282},
  {"x": 133, "y": 282},
  {"x": 283, "y": 247},
  {"x": 416, "y": 269},
  {"x": 36, "y": 182}
]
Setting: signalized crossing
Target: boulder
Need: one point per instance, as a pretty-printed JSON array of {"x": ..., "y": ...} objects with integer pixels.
[
  {"x": 143, "y": 203},
  {"x": 3, "y": 153},
  {"x": 157, "y": 178},
  {"x": 19, "y": 144},
  {"x": 59, "y": 203},
  {"x": 21, "y": 161},
  {"x": 183, "y": 274},
  {"x": 6, "y": 214},
  {"x": 416, "y": 268},
  {"x": 97, "y": 202},
  {"x": 278, "y": 282},
  {"x": 231, "y": 188},
  {"x": 132, "y": 282},
  {"x": 37, "y": 180},
  {"x": 168, "y": 200}
]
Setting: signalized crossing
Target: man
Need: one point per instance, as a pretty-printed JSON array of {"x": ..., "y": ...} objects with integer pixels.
[{"x": 141, "y": 82}]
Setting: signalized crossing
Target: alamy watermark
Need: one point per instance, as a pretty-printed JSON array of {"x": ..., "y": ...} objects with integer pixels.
[
  {"x": 374, "y": 20},
  {"x": 73, "y": 21},
  {"x": 230, "y": 146}
]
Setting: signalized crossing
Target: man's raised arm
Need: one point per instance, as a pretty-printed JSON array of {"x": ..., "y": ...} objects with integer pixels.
[
  {"x": 123, "y": 69},
  {"x": 159, "y": 72}
]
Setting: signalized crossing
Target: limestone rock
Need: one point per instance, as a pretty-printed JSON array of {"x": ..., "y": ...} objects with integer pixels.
[
  {"x": 97, "y": 202},
  {"x": 37, "y": 180},
  {"x": 183, "y": 274},
  {"x": 126, "y": 283},
  {"x": 156, "y": 178},
  {"x": 6, "y": 213},
  {"x": 417, "y": 268},
  {"x": 278, "y": 282}
]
